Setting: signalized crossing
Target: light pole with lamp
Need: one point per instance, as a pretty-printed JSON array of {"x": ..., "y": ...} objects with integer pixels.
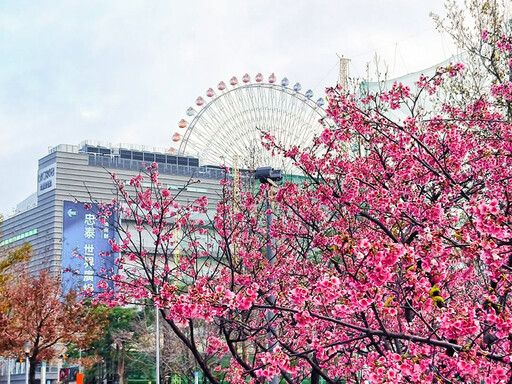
[
  {"x": 269, "y": 175},
  {"x": 157, "y": 346},
  {"x": 27, "y": 347}
]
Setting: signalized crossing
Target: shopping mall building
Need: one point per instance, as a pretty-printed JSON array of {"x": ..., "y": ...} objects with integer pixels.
[{"x": 53, "y": 220}]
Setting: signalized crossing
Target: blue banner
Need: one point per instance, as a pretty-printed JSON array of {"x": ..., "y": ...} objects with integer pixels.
[{"x": 87, "y": 260}]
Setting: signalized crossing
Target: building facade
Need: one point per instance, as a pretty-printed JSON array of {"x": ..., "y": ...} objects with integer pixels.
[{"x": 81, "y": 173}]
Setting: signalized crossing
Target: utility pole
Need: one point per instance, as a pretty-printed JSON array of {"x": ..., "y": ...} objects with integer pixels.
[
  {"x": 157, "y": 346},
  {"x": 9, "y": 370},
  {"x": 269, "y": 175}
]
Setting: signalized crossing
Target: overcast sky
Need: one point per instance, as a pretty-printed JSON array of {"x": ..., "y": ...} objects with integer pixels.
[{"x": 126, "y": 71}]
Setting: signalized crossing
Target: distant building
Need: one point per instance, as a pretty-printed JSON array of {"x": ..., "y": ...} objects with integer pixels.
[
  {"x": 71, "y": 173},
  {"x": 13, "y": 371}
]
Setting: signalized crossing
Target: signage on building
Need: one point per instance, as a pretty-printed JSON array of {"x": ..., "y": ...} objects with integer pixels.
[
  {"x": 19, "y": 237},
  {"x": 46, "y": 179},
  {"x": 87, "y": 260}
]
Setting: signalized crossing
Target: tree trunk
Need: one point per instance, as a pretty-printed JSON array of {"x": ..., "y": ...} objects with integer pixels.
[
  {"x": 315, "y": 373},
  {"x": 120, "y": 364},
  {"x": 315, "y": 376},
  {"x": 244, "y": 351},
  {"x": 32, "y": 370}
]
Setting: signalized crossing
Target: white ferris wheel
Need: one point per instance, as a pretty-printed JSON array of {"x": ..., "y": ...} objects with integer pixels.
[{"x": 226, "y": 128}]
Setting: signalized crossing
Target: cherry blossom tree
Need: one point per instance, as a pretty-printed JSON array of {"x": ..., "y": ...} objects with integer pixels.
[
  {"x": 391, "y": 260},
  {"x": 481, "y": 30}
]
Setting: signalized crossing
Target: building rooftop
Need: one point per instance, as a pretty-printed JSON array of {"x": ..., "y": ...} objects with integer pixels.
[{"x": 135, "y": 157}]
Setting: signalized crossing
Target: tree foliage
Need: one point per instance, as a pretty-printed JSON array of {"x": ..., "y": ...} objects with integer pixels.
[
  {"x": 127, "y": 349},
  {"x": 111, "y": 349},
  {"x": 37, "y": 312},
  {"x": 482, "y": 30},
  {"x": 11, "y": 260},
  {"x": 391, "y": 261}
]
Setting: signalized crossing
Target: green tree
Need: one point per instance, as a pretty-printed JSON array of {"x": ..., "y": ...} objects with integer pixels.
[{"x": 112, "y": 352}]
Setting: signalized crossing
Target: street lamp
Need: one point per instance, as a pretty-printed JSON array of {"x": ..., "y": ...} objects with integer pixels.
[
  {"x": 269, "y": 175},
  {"x": 26, "y": 347},
  {"x": 157, "y": 346}
]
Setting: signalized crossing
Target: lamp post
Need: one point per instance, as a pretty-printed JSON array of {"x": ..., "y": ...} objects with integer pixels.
[
  {"x": 269, "y": 175},
  {"x": 9, "y": 370},
  {"x": 27, "y": 347},
  {"x": 157, "y": 346}
]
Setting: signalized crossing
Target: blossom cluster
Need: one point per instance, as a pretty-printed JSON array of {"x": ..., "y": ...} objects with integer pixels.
[{"x": 391, "y": 260}]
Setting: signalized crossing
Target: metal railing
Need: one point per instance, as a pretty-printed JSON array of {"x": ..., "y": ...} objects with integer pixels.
[{"x": 168, "y": 169}]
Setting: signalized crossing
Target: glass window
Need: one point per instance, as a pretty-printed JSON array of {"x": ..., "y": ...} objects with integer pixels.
[
  {"x": 125, "y": 154},
  {"x": 160, "y": 158},
  {"x": 149, "y": 157}
]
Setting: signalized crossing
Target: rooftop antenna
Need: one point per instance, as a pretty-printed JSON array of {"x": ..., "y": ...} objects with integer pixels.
[{"x": 343, "y": 72}]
